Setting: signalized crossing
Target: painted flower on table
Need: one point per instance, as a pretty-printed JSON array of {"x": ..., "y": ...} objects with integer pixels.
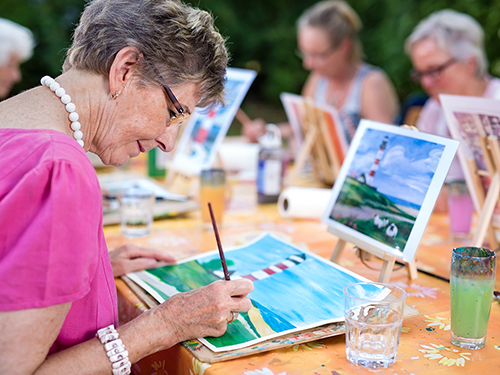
[
  {"x": 308, "y": 346},
  {"x": 415, "y": 290},
  {"x": 198, "y": 367},
  {"x": 264, "y": 371},
  {"x": 497, "y": 347},
  {"x": 441, "y": 323},
  {"x": 446, "y": 356},
  {"x": 159, "y": 368}
]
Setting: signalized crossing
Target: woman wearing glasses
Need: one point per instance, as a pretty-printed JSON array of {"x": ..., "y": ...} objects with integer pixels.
[
  {"x": 135, "y": 70},
  {"x": 330, "y": 48},
  {"x": 447, "y": 52}
]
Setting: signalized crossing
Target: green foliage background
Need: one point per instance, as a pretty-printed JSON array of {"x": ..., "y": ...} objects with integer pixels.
[{"x": 262, "y": 36}]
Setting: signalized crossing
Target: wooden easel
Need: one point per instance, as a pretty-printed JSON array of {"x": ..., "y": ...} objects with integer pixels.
[
  {"x": 491, "y": 152},
  {"x": 387, "y": 259},
  {"x": 317, "y": 147}
]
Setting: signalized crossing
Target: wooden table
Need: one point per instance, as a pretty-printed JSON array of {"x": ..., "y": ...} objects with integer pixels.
[{"x": 425, "y": 341}]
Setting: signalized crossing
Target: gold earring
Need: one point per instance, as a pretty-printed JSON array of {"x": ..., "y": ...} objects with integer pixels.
[{"x": 115, "y": 95}]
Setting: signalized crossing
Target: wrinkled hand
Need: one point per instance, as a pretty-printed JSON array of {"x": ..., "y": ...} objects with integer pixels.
[
  {"x": 130, "y": 258},
  {"x": 205, "y": 311}
]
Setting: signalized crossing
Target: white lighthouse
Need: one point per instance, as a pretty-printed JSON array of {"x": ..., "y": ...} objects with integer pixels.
[{"x": 375, "y": 165}]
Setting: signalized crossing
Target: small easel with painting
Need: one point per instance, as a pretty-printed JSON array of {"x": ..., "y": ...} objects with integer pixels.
[
  {"x": 475, "y": 122},
  {"x": 382, "y": 199}
]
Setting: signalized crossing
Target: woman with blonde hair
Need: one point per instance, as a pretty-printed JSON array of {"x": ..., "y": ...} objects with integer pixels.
[{"x": 328, "y": 41}]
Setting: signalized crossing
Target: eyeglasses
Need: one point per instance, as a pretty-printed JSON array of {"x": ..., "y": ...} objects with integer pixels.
[
  {"x": 181, "y": 115},
  {"x": 314, "y": 56},
  {"x": 432, "y": 73}
]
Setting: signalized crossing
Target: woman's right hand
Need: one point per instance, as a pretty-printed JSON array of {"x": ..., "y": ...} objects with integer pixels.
[{"x": 205, "y": 311}]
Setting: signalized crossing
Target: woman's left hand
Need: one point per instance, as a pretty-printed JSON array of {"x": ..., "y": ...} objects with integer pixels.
[{"x": 130, "y": 258}]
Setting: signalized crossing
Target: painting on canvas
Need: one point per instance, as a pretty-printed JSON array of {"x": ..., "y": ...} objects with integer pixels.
[
  {"x": 294, "y": 108},
  {"x": 294, "y": 289},
  {"x": 200, "y": 141},
  {"x": 387, "y": 187},
  {"x": 469, "y": 119}
]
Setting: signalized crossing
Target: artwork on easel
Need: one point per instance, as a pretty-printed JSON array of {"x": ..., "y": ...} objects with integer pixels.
[
  {"x": 200, "y": 141},
  {"x": 294, "y": 108},
  {"x": 387, "y": 187},
  {"x": 294, "y": 289},
  {"x": 469, "y": 120},
  {"x": 324, "y": 138}
]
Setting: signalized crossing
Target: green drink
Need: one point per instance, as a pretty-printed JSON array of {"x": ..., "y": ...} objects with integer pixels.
[
  {"x": 471, "y": 291},
  {"x": 471, "y": 305}
]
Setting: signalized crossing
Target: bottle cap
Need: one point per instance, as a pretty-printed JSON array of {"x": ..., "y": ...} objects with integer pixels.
[{"x": 272, "y": 137}]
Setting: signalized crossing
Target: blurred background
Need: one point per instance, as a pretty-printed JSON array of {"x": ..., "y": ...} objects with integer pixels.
[{"x": 262, "y": 36}]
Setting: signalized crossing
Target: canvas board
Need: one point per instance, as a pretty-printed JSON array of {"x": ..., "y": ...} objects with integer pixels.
[
  {"x": 200, "y": 141},
  {"x": 294, "y": 107},
  {"x": 338, "y": 136},
  {"x": 387, "y": 187},
  {"x": 468, "y": 119},
  {"x": 294, "y": 289}
]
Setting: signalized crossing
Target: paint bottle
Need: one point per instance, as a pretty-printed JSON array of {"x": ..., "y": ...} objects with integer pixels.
[
  {"x": 270, "y": 165},
  {"x": 157, "y": 160}
]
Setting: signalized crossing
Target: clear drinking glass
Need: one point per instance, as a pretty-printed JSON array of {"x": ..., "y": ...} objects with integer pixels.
[
  {"x": 472, "y": 281},
  {"x": 213, "y": 190},
  {"x": 136, "y": 211},
  {"x": 373, "y": 319}
]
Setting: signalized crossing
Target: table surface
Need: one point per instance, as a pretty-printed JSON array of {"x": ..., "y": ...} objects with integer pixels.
[{"x": 425, "y": 339}]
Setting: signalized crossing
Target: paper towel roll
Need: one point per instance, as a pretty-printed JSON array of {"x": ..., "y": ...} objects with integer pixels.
[{"x": 301, "y": 202}]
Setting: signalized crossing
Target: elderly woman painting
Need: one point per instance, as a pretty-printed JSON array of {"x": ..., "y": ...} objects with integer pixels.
[
  {"x": 447, "y": 52},
  {"x": 16, "y": 46},
  {"x": 135, "y": 70}
]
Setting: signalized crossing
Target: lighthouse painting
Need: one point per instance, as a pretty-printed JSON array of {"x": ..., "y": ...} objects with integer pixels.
[{"x": 388, "y": 185}]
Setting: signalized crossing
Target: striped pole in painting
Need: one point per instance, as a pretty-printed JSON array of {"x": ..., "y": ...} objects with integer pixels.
[
  {"x": 375, "y": 165},
  {"x": 291, "y": 261}
]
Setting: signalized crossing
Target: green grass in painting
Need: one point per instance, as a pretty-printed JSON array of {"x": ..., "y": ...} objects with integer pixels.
[
  {"x": 357, "y": 194},
  {"x": 236, "y": 334},
  {"x": 184, "y": 276}
]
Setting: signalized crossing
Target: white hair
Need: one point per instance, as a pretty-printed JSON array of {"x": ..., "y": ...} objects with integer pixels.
[
  {"x": 458, "y": 34},
  {"x": 15, "y": 40}
]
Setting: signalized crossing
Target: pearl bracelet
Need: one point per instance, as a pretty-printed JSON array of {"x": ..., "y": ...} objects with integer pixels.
[{"x": 115, "y": 350}]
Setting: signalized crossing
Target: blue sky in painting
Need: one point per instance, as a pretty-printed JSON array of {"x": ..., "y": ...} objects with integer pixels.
[
  {"x": 301, "y": 295},
  {"x": 406, "y": 168}
]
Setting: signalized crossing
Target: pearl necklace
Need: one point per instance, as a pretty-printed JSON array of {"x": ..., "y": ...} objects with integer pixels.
[{"x": 70, "y": 107}]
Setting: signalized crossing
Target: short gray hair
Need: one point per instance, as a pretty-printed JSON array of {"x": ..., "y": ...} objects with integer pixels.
[
  {"x": 458, "y": 34},
  {"x": 15, "y": 40},
  {"x": 338, "y": 20},
  {"x": 178, "y": 40}
]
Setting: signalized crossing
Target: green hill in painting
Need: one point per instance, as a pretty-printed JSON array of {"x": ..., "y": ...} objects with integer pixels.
[{"x": 357, "y": 194}]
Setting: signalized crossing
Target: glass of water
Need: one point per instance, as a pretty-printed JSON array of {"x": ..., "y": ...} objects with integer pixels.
[
  {"x": 136, "y": 211},
  {"x": 373, "y": 319}
]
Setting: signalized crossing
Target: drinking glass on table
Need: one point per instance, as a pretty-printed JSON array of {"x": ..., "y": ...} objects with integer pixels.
[
  {"x": 213, "y": 190},
  {"x": 136, "y": 211},
  {"x": 373, "y": 320},
  {"x": 472, "y": 281}
]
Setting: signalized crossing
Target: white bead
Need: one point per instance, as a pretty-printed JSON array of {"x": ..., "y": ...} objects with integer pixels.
[
  {"x": 60, "y": 92},
  {"x": 80, "y": 142},
  {"x": 73, "y": 116},
  {"x": 75, "y": 126},
  {"x": 65, "y": 99},
  {"x": 54, "y": 86},
  {"x": 118, "y": 357},
  {"x": 71, "y": 107},
  {"x": 44, "y": 78},
  {"x": 78, "y": 135}
]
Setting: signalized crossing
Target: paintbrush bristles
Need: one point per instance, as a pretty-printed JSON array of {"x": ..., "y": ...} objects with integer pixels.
[{"x": 219, "y": 244}]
